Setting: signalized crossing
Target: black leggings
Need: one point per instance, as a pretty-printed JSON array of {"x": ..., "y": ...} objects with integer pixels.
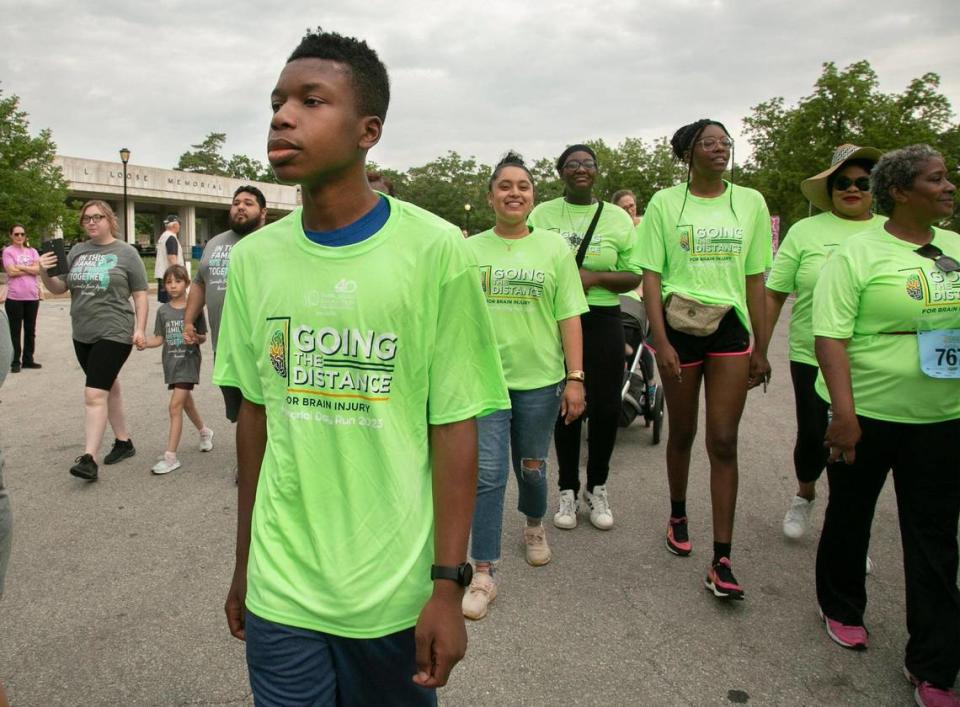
[
  {"x": 23, "y": 314},
  {"x": 603, "y": 347},
  {"x": 809, "y": 454}
]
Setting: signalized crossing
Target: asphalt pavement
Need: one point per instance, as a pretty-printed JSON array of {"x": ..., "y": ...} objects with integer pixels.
[{"x": 115, "y": 589}]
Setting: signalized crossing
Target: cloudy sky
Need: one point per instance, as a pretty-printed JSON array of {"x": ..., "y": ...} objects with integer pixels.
[{"x": 476, "y": 77}]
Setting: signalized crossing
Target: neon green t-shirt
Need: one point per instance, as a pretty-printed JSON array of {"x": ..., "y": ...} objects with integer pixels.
[
  {"x": 706, "y": 251},
  {"x": 611, "y": 247},
  {"x": 353, "y": 351},
  {"x": 875, "y": 283},
  {"x": 530, "y": 284},
  {"x": 797, "y": 267}
]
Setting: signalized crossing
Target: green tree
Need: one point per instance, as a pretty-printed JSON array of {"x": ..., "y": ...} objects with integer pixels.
[
  {"x": 32, "y": 188},
  {"x": 792, "y": 143},
  {"x": 446, "y": 185},
  {"x": 207, "y": 157}
]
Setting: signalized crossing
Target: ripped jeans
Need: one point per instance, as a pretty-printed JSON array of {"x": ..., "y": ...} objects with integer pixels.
[{"x": 525, "y": 430}]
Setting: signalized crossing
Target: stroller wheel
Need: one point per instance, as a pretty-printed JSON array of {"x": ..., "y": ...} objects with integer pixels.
[{"x": 658, "y": 415}]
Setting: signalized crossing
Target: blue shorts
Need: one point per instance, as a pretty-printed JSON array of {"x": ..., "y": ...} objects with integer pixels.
[{"x": 295, "y": 666}]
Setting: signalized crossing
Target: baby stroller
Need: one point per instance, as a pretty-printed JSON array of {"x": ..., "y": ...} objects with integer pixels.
[{"x": 641, "y": 395}]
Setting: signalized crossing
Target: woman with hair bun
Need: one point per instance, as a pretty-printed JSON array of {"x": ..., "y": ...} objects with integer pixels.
[
  {"x": 887, "y": 325},
  {"x": 535, "y": 299},
  {"x": 703, "y": 246},
  {"x": 603, "y": 238}
]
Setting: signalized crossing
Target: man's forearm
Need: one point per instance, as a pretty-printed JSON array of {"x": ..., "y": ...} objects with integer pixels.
[
  {"x": 195, "y": 301},
  {"x": 454, "y": 449},
  {"x": 251, "y": 445}
]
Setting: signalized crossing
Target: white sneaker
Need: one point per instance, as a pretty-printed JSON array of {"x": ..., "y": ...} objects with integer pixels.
[
  {"x": 535, "y": 542},
  {"x": 168, "y": 462},
  {"x": 566, "y": 515},
  {"x": 479, "y": 594},
  {"x": 206, "y": 439},
  {"x": 797, "y": 518},
  {"x": 600, "y": 513},
  {"x": 869, "y": 565}
]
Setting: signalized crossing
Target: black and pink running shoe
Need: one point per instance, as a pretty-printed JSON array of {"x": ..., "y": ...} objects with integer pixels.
[
  {"x": 721, "y": 582},
  {"x": 678, "y": 539}
]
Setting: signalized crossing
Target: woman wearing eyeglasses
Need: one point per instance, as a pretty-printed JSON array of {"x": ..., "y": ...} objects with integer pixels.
[
  {"x": 842, "y": 193},
  {"x": 21, "y": 264},
  {"x": 886, "y": 317},
  {"x": 704, "y": 245},
  {"x": 607, "y": 268},
  {"x": 102, "y": 275}
]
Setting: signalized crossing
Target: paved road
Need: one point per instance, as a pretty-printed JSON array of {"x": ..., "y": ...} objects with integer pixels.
[{"x": 115, "y": 589}]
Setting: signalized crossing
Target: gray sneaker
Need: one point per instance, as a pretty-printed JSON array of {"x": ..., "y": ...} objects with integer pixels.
[{"x": 797, "y": 519}]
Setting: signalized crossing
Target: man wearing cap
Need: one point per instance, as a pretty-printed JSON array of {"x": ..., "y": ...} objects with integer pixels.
[{"x": 169, "y": 252}]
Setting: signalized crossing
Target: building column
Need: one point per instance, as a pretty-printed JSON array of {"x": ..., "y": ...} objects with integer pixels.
[
  {"x": 129, "y": 217},
  {"x": 188, "y": 227}
]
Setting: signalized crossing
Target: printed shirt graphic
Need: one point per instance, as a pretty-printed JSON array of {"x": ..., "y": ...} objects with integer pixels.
[
  {"x": 181, "y": 361},
  {"x": 530, "y": 284},
  {"x": 212, "y": 274},
  {"x": 22, "y": 288},
  {"x": 707, "y": 251},
  {"x": 101, "y": 279},
  {"x": 611, "y": 248},
  {"x": 797, "y": 268},
  {"x": 353, "y": 351},
  {"x": 875, "y": 283}
]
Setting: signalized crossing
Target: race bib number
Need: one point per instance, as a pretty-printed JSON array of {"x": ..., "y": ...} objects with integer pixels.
[{"x": 940, "y": 353}]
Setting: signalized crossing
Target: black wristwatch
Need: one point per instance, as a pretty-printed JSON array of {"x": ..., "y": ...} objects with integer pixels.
[{"x": 462, "y": 574}]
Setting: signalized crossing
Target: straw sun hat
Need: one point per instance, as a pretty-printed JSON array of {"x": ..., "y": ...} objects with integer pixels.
[{"x": 815, "y": 188}]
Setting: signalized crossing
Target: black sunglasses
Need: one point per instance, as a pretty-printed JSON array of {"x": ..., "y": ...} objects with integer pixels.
[
  {"x": 943, "y": 262},
  {"x": 843, "y": 183}
]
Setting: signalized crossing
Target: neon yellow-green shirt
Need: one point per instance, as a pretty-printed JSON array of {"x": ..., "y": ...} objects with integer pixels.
[
  {"x": 706, "y": 251},
  {"x": 797, "y": 267},
  {"x": 353, "y": 351},
  {"x": 611, "y": 247},
  {"x": 530, "y": 284},
  {"x": 875, "y": 283}
]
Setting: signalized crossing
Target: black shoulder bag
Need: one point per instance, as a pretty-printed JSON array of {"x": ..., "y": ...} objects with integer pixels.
[{"x": 588, "y": 236}]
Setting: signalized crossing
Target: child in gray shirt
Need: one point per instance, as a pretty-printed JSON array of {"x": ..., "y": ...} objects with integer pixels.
[{"x": 181, "y": 366}]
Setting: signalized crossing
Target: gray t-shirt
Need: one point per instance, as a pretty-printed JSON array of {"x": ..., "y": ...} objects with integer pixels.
[
  {"x": 212, "y": 274},
  {"x": 101, "y": 279},
  {"x": 181, "y": 361}
]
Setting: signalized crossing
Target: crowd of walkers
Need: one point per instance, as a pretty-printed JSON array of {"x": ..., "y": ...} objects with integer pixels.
[{"x": 374, "y": 427}]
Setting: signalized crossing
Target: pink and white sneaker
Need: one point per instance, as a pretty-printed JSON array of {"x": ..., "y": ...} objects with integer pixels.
[
  {"x": 852, "y": 637},
  {"x": 926, "y": 695}
]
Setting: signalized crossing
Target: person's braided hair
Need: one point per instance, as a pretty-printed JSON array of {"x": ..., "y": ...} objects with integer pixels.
[{"x": 682, "y": 144}]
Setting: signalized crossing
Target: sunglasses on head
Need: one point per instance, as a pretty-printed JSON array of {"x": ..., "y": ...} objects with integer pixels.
[
  {"x": 843, "y": 183},
  {"x": 943, "y": 262}
]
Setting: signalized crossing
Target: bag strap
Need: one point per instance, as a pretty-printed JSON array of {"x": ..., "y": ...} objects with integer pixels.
[{"x": 588, "y": 236}]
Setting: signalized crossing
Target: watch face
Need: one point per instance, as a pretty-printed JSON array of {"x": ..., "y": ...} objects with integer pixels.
[{"x": 467, "y": 573}]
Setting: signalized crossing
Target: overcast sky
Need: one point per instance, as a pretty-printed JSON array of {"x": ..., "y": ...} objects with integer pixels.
[{"x": 476, "y": 77}]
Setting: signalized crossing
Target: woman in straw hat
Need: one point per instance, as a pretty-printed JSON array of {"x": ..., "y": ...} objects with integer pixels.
[{"x": 842, "y": 193}]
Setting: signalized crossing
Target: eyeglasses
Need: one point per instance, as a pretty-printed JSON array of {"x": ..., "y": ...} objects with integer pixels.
[
  {"x": 843, "y": 183},
  {"x": 943, "y": 262},
  {"x": 92, "y": 218},
  {"x": 18, "y": 233},
  {"x": 574, "y": 165},
  {"x": 708, "y": 143}
]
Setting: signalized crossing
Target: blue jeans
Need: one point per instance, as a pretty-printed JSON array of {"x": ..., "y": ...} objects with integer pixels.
[
  {"x": 295, "y": 666},
  {"x": 525, "y": 430}
]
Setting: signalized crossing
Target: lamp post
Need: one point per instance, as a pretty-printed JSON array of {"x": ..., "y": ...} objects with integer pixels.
[
  {"x": 467, "y": 208},
  {"x": 125, "y": 157}
]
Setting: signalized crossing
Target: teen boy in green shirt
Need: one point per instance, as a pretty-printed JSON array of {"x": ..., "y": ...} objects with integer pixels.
[{"x": 357, "y": 332}]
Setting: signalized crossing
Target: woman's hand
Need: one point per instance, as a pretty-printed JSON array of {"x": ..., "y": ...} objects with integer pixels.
[
  {"x": 573, "y": 402},
  {"x": 841, "y": 438},
  {"x": 759, "y": 370},
  {"x": 47, "y": 261},
  {"x": 139, "y": 340},
  {"x": 588, "y": 279},
  {"x": 668, "y": 361}
]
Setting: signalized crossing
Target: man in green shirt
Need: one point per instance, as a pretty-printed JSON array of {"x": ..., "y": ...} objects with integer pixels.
[{"x": 357, "y": 444}]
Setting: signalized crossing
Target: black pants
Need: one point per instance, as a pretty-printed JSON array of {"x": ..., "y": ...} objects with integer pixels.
[
  {"x": 809, "y": 454},
  {"x": 23, "y": 314},
  {"x": 603, "y": 347},
  {"x": 925, "y": 460}
]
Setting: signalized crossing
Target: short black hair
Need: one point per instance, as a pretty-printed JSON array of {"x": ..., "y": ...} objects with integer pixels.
[
  {"x": 686, "y": 137},
  {"x": 511, "y": 159},
  {"x": 575, "y": 148},
  {"x": 253, "y": 191},
  {"x": 369, "y": 75},
  {"x": 861, "y": 162}
]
